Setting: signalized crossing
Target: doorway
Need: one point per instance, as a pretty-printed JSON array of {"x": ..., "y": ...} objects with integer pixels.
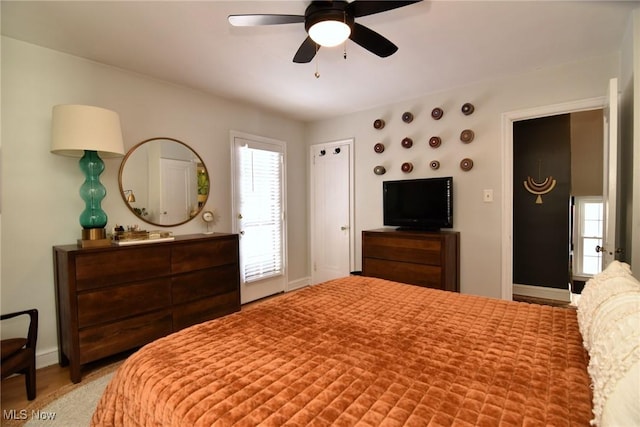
[
  {"x": 557, "y": 199},
  {"x": 332, "y": 216},
  {"x": 508, "y": 120}
]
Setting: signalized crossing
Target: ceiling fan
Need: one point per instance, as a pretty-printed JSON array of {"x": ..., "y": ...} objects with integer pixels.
[{"x": 329, "y": 23}]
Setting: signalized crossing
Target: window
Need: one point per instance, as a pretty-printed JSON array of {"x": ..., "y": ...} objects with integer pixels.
[
  {"x": 589, "y": 223},
  {"x": 260, "y": 209}
]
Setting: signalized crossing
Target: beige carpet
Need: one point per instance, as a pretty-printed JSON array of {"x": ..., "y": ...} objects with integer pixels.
[{"x": 70, "y": 406}]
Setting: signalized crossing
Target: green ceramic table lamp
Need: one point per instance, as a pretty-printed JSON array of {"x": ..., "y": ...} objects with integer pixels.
[{"x": 88, "y": 132}]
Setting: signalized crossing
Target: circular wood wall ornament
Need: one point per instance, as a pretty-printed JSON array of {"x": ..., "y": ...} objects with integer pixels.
[
  {"x": 407, "y": 142},
  {"x": 378, "y": 124},
  {"x": 467, "y": 136},
  {"x": 407, "y": 117},
  {"x": 435, "y": 141},
  {"x": 434, "y": 164},
  {"x": 407, "y": 167},
  {"x": 378, "y": 148},
  {"x": 437, "y": 113},
  {"x": 379, "y": 170},
  {"x": 467, "y": 109},
  {"x": 466, "y": 164}
]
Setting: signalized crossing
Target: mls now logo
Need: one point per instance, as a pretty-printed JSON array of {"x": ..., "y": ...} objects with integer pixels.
[{"x": 23, "y": 414}]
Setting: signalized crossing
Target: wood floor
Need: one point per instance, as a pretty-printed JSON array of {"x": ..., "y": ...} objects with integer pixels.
[
  {"x": 51, "y": 378},
  {"x": 13, "y": 392}
]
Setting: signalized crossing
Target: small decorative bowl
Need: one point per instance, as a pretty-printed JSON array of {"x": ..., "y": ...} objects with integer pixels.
[
  {"x": 467, "y": 136},
  {"x": 379, "y": 170},
  {"x": 437, "y": 113},
  {"x": 466, "y": 164},
  {"x": 378, "y": 148},
  {"x": 407, "y": 167},
  {"x": 435, "y": 141},
  {"x": 407, "y": 117},
  {"x": 407, "y": 142},
  {"x": 378, "y": 124},
  {"x": 467, "y": 109}
]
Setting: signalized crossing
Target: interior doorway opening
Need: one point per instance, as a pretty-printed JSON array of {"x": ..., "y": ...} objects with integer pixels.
[
  {"x": 557, "y": 200},
  {"x": 508, "y": 120}
]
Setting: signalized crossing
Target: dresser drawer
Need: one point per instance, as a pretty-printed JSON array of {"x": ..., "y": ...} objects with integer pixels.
[
  {"x": 417, "y": 274},
  {"x": 203, "y": 283},
  {"x": 118, "y": 302},
  {"x": 200, "y": 255},
  {"x": 96, "y": 269},
  {"x": 205, "y": 309},
  {"x": 424, "y": 251},
  {"x": 101, "y": 341}
]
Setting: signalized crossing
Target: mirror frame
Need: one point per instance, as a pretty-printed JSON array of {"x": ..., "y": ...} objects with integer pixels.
[{"x": 122, "y": 189}]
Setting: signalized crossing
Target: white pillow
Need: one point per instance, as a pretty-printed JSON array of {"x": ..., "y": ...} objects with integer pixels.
[
  {"x": 616, "y": 279},
  {"x": 609, "y": 321},
  {"x": 623, "y": 405}
]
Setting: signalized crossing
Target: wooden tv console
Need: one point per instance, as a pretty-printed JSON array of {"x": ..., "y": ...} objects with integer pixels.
[
  {"x": 117, "y": 298},
  {"x": 429, "y": 259}
]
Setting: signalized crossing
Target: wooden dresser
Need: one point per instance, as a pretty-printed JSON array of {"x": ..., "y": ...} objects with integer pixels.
[
  {"x": 117, "y": 298},
  {"x": 429, "y": 259}
]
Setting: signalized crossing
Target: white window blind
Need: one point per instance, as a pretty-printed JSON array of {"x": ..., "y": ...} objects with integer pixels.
[{"x": 261, "y": 210}]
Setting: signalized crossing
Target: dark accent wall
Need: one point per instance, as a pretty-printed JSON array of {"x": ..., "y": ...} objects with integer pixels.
[{"x": 541, "y": 148}]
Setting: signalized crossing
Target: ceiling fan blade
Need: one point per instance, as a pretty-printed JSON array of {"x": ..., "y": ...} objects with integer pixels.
[
  {"x": 306, "y": 51},
  {"x": 253, "y": 20},
  {"x": 372, "y": 41},
  {"x": 364, "y": 8}
]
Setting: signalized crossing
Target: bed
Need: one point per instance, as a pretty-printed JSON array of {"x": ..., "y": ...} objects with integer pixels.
[{"x": 361, "y": 351}]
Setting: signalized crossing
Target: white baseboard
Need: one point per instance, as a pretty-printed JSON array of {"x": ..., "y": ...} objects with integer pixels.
[
  {"x": 298, "y": 284},
  {"x": 47, "y": 357},
  {"x": 542, "y": 292}
]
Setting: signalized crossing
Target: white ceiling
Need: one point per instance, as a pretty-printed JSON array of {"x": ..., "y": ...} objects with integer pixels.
[{"x": 442, "y": 44}]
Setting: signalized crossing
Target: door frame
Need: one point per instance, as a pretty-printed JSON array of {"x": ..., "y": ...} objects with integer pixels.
[
  {"x": 508, "y": 119},
  {"x": 352, "y": 247}
]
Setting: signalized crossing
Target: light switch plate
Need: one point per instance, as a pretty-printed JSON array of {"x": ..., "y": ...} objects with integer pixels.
[{"x": 487, "y": 196}]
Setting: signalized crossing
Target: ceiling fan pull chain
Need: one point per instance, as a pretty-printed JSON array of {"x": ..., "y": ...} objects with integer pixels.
[
  {"x": 317, "y": 73},
  {"x": 344, "y": 14}
]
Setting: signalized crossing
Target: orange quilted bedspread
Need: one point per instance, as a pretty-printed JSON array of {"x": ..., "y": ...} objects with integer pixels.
[{"x": 361, "y": 351}]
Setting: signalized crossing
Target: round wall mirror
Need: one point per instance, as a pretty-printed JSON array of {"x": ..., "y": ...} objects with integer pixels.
[{"x": 163, "y": 182}]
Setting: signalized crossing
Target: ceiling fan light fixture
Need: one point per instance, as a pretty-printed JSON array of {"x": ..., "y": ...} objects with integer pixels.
[{"x": 329, "y": 33}]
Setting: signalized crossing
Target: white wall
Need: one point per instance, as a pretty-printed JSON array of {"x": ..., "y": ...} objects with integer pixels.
[
  {"x": 40, "y": 200},
  {"x": 479, "y": 223}
]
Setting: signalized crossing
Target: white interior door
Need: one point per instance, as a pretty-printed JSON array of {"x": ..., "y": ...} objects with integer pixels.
[
  {"x": 610, "y": 241},
  {"x": 179, "y": 190},
  {"x": 331, "y": 210}
]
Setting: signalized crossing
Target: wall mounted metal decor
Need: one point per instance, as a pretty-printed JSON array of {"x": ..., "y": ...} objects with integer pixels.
[
  {"x": 539, "y": 188},
  {"x": 378, "y": 124},
  {"x": 407, "y": 117},
  {"x": 467, "y": 109},
  {"x": 437, "y": 113},
  {"x": 434, "y": 164},
  {"x": 466, "y": 164},
  {"x": 407, "y": 167},
  {"x": 379, "y": 170},
  {"x": 378, "y": 148},
  {"x": 467, "y": 136},
  {"x": 407, "y": 142},
  {"x": 435, "y": 141}
]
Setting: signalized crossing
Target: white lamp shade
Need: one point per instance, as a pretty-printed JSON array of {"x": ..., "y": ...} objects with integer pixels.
[
  {"x": 329, "y": 33},
  {"x": 76, "y": 128}
]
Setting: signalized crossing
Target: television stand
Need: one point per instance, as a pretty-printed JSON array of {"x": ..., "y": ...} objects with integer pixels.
[{"x": 424, "y": 258}]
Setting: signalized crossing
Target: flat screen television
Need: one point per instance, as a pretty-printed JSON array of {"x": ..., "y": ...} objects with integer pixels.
[{"x": 423, "y": 204}]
